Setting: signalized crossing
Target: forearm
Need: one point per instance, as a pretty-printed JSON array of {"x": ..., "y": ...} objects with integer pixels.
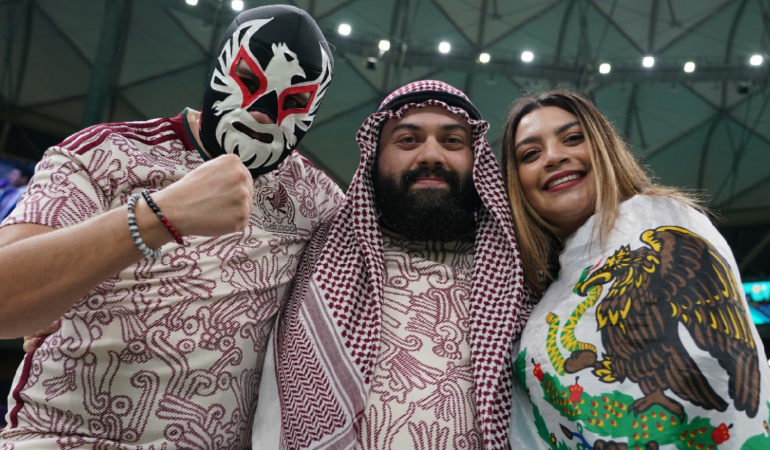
[{"x": 45, "y": 274}]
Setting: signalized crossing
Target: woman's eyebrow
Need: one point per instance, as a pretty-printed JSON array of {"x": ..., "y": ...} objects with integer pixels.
[{"x": 566, "y": 126}]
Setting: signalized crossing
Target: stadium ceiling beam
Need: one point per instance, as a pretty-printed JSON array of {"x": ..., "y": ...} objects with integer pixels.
[
  {"x": 333, "y": 10},
  {"x": 479, "y": 41},
  {"x": 454, "y": 23},
  {"x": 755, "y": 251},
  {"x": 10, "y": 87},
  {"x": 742, "y": 192},
  {"x": 109, "y": 56},
  {"x": 686, "y": 32},
  {"x": 185, "y": 31},
  {"x": 717, "y": 116},
  {"x": 519, "y": 26},
  {"x": 559, "y": 73},
  {"x": 615, "y": 25},
  {"x": 653, "y": 25},
  {"x": 704, "y": 153},
  {"x": 64, "y": 35},
  {"x": 563, "y": 29},
  {"x": 729, "y": 46}
]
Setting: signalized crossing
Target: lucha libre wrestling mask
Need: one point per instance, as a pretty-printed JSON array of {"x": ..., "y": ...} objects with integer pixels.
[{"x": 265, "y": 87}]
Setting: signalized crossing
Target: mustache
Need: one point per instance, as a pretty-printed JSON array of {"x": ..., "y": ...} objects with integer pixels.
[{"x": 410, "y": 177}]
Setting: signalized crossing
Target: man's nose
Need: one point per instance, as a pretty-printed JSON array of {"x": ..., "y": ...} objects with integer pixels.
[
  {"x": 431, "y": 154},
  {"x": 261, "y": 117}
]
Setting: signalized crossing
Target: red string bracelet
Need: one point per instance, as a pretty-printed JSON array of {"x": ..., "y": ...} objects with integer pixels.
[{"x": 175, "y": 234}]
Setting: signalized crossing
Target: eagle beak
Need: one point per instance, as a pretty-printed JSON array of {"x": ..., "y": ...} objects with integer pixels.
[{"x": 599, "y": 278}]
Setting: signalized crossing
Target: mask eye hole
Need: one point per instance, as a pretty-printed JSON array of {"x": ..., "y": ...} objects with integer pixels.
[
  {"x": 296, "y": 100},
  {"x": 249, "y": 77}
]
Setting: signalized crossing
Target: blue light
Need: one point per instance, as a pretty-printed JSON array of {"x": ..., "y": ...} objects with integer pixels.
[
  {"x": 758, "y": 296},
  {"x": 757, "y": 317},
  {"x": 757, "y": 292}
]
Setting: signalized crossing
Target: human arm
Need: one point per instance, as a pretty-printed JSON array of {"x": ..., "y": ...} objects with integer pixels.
[{"x": 44, "y": 271}]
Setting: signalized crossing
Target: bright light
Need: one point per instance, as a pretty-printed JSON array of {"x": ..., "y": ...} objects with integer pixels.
[
  {"x": 484, "y": 58},
  {"x": 444, "y": 47},
  {"x": 768, "y": 362},
  {"x": 756, "y": 60},
  {"x": 192, "y": 2},
  {"x": 384, "y": 45},
  {"x": 237, "y": 5},
  {"x": 527, "y": 56},
  {"x": 604, "y": 68},
  {"x": 648, "y": 61},
  {"x": 344, "y": 29},
  {"x": 689, "y": 67}
]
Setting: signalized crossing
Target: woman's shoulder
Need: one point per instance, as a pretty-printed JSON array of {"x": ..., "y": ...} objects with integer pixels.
[{"x": 658, "y": 207}]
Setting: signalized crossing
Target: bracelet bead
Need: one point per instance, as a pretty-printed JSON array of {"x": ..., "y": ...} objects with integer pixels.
[
  {"x": 134, "y": 229},
  {"x": 167, "y": 223}
]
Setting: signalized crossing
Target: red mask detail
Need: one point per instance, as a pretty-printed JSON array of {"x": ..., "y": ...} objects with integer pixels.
[
  {"x": 248, "y": 97},
  {"x": 283, "y": 113}
]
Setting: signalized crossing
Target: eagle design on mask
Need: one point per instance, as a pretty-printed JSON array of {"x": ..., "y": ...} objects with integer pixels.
[
  {"x": 237, "y": 131},
  {"x": 679, "y": 278}
]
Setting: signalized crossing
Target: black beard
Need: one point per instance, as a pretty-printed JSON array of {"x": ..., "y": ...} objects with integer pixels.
[{"x": 427, "y": 214}]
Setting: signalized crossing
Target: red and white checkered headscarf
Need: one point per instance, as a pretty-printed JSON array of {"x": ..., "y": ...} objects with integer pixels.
[{"x": 327, "y": 340}]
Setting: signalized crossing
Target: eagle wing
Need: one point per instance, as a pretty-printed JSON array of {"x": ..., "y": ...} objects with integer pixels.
[{"x": 698, "y": 285}]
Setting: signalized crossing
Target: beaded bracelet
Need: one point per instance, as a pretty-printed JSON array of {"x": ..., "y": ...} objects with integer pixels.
[
  {"x": 134, "y": 229},
  {"x": 175, "y": 234}
]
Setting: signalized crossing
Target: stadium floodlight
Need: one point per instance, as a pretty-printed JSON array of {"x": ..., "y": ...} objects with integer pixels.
[
  {"x": 344, "y": 29},
  {"x": 605, "y": 68},
  {"x": 237, "y": 5},
  {"x": 648, "y": 61},
  {"x": 484, "y": 58},
  {"x": 444, "y": 47},
  {"x": 689, "y": 67},
  {"x": 756, "y": 60},
  {"x": 527, "y": 56},
  {"x": 384, "y": 45},
  {"x": 192, "y": 2}
]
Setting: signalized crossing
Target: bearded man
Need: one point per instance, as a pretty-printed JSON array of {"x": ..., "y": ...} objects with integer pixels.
[
  {"x": 398, "y": 329},
  {"x": 166, "y": 247}
]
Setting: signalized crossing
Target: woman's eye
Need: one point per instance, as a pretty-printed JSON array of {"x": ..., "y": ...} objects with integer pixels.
[
  {"x": 574, "y": 138},
  {"x": 528, "y": 154}
]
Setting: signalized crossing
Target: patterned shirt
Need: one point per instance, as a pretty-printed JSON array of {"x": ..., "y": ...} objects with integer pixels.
[
  {"x": 167, "y": 353},
  {"x": 422, "y": 394}
]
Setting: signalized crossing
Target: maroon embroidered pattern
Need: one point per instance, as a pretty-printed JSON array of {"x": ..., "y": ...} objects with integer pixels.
[
  {"x": 422, "y": 394},
  {"x": 339, "y": 299},
  {"x": 167, "y": 353}
]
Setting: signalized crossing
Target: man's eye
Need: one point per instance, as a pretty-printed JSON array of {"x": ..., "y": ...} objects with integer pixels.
[
  {"x": 294, "y": 102},
  {"x": 407, "y": 140},
  {"x": 251, "y": 85}
]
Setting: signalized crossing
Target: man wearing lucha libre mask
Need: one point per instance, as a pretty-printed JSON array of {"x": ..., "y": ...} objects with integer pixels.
[{"x": 161, "y": 252}]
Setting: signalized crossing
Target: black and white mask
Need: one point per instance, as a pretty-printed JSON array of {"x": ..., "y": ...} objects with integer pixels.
[{"x": 266, "y": 86}]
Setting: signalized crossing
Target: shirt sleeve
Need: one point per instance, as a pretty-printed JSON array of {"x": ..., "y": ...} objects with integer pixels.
[
  {"x": 329, "y": 197},
  {"x": 63, "y": 191}
]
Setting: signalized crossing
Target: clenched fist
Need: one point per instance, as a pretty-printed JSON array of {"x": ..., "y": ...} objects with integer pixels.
[{"x": 214, "y": 199}]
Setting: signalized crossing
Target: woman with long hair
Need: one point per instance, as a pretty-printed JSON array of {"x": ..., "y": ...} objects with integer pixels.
[{"x": 642, "y": 338}]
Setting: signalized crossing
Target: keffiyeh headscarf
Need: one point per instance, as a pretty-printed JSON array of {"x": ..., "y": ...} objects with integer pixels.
[{"x": 327, "y": 340}]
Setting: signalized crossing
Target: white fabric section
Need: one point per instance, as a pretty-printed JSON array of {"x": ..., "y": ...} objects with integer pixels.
[
  {"x": 668, "y": 326},
  {"x": 167, "y": 353},
  {"x": 266, "y": 431},
  {"x": 422, "y": 393}
]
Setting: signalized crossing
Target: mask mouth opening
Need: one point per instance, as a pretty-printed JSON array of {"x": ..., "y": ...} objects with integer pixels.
[{"x": 266, "y": 138}]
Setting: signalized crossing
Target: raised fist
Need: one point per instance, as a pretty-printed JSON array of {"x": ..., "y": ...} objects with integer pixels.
[{"x": 214, "y": 199}]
